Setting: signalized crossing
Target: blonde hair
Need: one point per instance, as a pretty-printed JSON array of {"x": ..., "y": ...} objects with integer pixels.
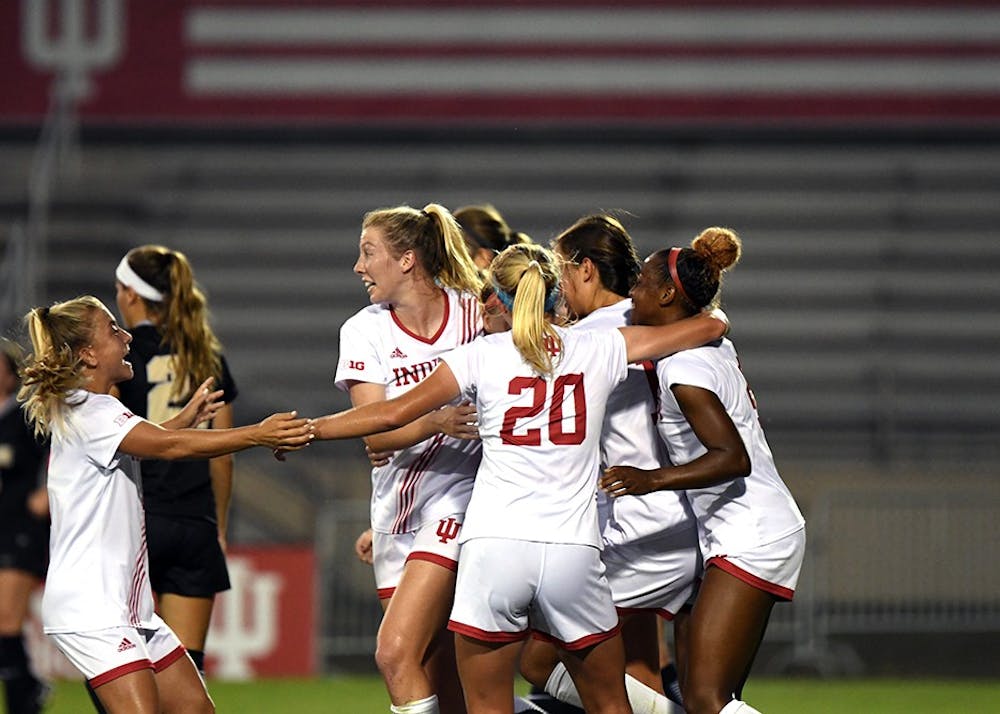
[
  {"x": 436, "y": 239},
  {"x": 54, "y": 368},
  {"x": 182, "y": 317},
  {"x": 526, "y": 278}
]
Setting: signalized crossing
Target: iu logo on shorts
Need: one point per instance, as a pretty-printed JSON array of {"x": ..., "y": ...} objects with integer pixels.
[{"x": 448, "y": 529}]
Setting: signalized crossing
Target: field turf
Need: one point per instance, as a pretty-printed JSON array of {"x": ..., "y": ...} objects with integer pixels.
[{"x": 364, "y": 695}]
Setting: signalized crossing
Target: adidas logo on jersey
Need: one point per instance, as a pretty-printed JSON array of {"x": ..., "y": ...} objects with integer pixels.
[
  {"x": 397, "y": 354},
  {"x": 125, "y": 645}
]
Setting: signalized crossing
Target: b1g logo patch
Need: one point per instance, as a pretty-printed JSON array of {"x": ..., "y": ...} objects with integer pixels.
[
  {"x": 356, "y": 364},
  {"x": 123, "y": 417}
]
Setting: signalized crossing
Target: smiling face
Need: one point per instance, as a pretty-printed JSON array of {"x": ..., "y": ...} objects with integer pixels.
[
  {"x": 105, "y": 354},
  {"x": 378, "y": 269},
  {"x": 647, "y": 294}
]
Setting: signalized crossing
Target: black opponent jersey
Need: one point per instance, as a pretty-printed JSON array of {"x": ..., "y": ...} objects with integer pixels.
[
  {"x": 170, "y": 488},
  {"x": 20, "y": 462}
]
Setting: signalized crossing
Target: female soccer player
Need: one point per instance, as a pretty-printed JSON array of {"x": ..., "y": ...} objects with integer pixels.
[
  {"x": 24, "y": 537},
  {"x": 423, "y": 287},
  {"x": 751, "y": 532},
  {"x": 650, "y": 542},
  {"x": 531, "y": 545},
  {"x": 173, "y": 350},
  {"x": 98, "y": 604}
]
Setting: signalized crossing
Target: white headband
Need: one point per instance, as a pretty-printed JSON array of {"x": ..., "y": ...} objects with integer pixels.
[{"x": 130, "y": 279}]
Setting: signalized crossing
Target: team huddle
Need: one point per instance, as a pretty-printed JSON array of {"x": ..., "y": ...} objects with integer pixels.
[{"x": 564, "y": 451}]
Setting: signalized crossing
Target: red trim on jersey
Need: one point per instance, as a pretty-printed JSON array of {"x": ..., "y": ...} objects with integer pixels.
[
  {"x": 448, "y": 563},
  {"x": 583, "y": 642},
  {"x": 120, "y": 671},
  {"x": 426, "y": 340},
  {"x": 778, "y": 591},
  {"x": 386, "y": 593},
  {"x": 165, "y": 662},
  {"x": 649, "y": 368},
  {"x": 408, "y": 487},
  {"x": 661, "y": 612},
  {"x": 485, "y": 636},
  {"x": 139, "y": 576}
]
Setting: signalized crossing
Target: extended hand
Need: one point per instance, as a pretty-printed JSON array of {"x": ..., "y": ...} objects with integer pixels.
[
  {"x": 201, "y": 407},
  {"x": 284, "y": 432}
]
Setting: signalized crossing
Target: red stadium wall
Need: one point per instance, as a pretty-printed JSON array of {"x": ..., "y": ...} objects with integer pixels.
[
  {"x": 265, "y": 626},
  {"x": 254, "y": 62}
]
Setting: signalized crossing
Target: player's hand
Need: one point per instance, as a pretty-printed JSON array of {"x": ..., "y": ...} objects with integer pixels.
[
  {"x": 628, "y": 480},
  {"x": 285, "y": 432},
  {"x": 202, "y": 406},
  {"x": 378, "y": 458},
  {"x": 460, "y": 422},
  {"x": 363, "y": 547}
]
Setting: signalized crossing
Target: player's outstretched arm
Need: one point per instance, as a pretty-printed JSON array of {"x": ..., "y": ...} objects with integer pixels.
[
  {"x": 279, "y": 431},
  {"x": 379, "y": 416}
]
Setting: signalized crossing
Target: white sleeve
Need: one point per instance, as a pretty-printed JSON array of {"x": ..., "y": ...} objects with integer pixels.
[
  {"x": 105, "y": 422},
  {"x": 360, "y": 360},
  {"x": 688, "y": 369},
  {"x": 463, "y": 363}
]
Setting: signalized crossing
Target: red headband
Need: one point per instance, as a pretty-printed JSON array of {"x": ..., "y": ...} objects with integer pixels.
[{"x": 672, "y": 265}]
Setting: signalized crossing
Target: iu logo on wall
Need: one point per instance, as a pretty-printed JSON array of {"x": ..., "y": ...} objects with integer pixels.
[{"x": 265, "y": 625}]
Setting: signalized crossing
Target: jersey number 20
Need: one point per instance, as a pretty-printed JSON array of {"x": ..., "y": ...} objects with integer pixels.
[{"x": 555, "y": 422}]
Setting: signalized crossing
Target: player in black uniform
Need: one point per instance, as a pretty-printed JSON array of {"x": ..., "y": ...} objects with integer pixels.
[
  {"x": 24, "y": 538},
  {"x": 173, "y": 350}
]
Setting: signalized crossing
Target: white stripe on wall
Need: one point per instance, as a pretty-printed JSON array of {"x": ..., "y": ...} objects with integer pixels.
[
  {"x": 286, "y": 77},
  {"x": 247, "y": 27}
]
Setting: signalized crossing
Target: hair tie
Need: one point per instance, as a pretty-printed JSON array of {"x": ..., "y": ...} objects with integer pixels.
[
  {"x": 130, "y": 279},
  {"x": 43, "y": 312},
  {"x": 672, "y": 266},
  {"x": 534, "y": 262}
]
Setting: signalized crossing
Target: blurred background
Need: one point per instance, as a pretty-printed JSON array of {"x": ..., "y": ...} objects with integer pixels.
[{"x": 855, "y": 146}]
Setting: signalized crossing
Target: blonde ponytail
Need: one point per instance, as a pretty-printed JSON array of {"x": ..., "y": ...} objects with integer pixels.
[{"x": 526, "y": 278}]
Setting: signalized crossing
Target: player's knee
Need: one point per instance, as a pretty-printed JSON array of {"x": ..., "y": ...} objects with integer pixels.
[{"x": 393, "y": 653}]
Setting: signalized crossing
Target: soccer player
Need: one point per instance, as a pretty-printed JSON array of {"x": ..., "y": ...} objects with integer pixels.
[
  {"x": 423, "y": 287},
  {"x": 98, "y": 604},
  {"x": 531, "y": 545},
  {"x": 752, "y": 535},
  {"x": 173, "y": 350},
  {"x": 650, "y": 543}
]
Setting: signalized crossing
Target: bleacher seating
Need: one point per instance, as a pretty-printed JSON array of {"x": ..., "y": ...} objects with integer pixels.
[{"x": 864, "y": 308}]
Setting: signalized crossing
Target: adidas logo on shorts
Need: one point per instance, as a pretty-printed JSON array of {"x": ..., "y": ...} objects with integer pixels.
[{"x": 125, "y": 645}]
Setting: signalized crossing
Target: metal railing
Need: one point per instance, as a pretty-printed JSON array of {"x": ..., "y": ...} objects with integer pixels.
[{"x": 888, "y": 561}]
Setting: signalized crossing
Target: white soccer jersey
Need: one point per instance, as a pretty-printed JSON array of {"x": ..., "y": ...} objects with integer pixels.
[
  {"x": 630, "y": 439},
  {"x": 432, "y": 479},
  {"x": 737, "y": 515},
  {"x": 541, "y": 437},
  {"x": 98, "y": 574}
]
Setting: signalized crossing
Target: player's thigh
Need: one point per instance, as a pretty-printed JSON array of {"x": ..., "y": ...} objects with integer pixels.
[
  {"x": 182, "y": 690},
  {"x": 419, "y": 606},
  {"x": 15, "y": 593}
]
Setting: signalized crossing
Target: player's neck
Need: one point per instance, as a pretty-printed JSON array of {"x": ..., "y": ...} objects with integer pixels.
[{"x": 422, "y": 312}]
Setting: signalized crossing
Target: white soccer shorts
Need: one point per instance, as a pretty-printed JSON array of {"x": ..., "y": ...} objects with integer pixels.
[{"x": 507, "y": 587}]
